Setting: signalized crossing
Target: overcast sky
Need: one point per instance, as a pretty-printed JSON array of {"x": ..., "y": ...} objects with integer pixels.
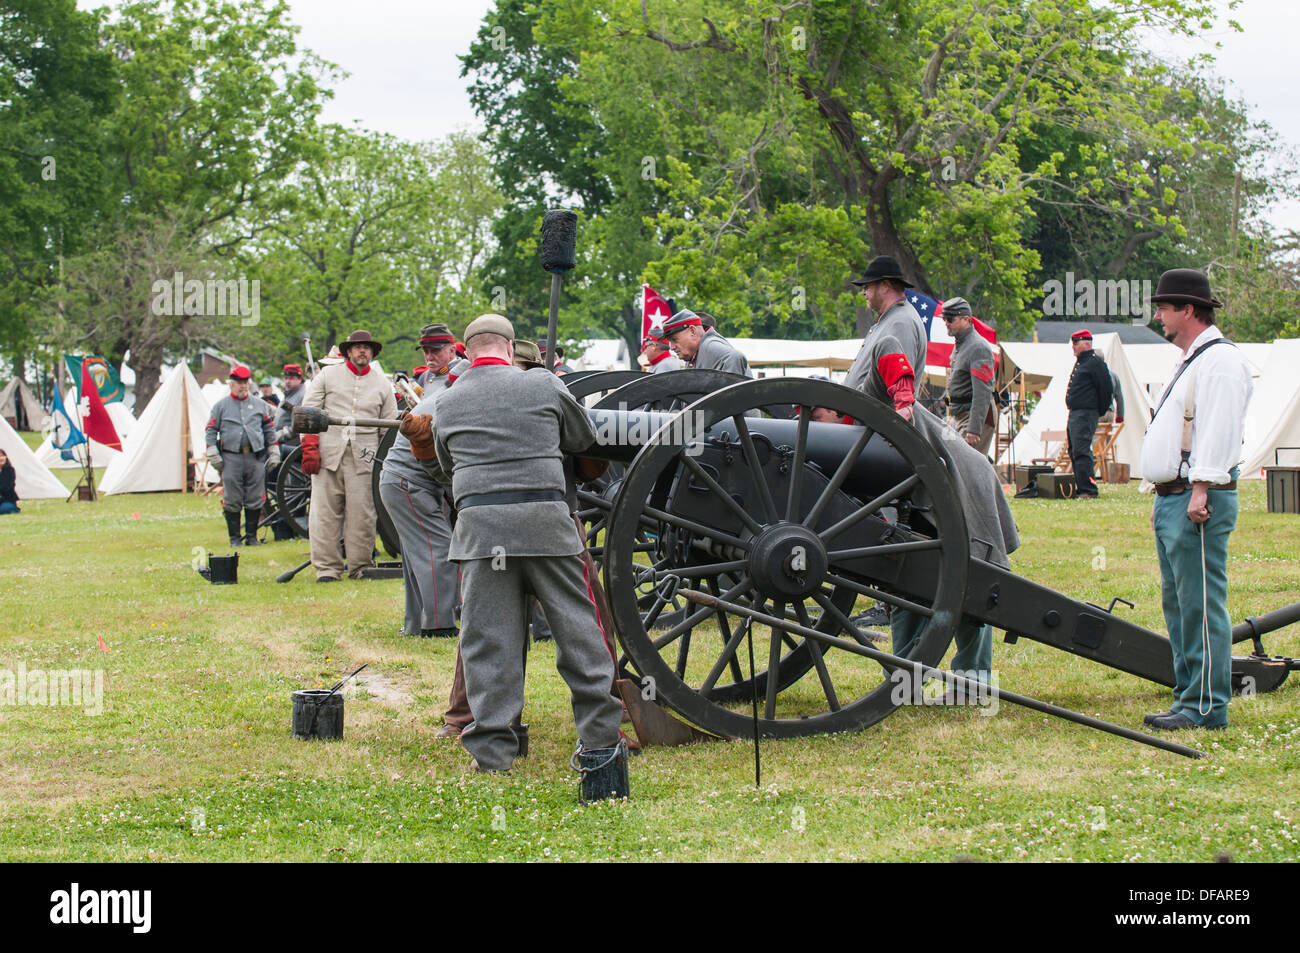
[{"x": 406, "y": 77}]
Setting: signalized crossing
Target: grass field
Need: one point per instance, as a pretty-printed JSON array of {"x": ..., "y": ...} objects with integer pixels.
[{"x": 192, "y": 759}]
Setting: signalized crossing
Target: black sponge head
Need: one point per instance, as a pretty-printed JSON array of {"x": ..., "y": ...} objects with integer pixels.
[{"x": 559, "y": 236}]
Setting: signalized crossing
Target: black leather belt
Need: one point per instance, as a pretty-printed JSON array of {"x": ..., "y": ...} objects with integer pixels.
[
  {"x": 510, "y": 496},
  {"x": 1174, "y": 487}
]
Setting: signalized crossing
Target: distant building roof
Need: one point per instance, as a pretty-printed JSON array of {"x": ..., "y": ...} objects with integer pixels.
[{"x": 1058, "y": 332}]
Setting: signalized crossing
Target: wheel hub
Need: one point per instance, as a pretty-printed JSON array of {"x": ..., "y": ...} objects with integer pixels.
[{"x": 787, "y": 562}]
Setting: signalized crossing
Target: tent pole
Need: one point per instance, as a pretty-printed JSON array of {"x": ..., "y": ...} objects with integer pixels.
[{"x": 185, "y": 431}]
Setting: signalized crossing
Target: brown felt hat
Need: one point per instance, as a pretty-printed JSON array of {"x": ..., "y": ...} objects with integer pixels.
[{"x": 360, "y": 337}]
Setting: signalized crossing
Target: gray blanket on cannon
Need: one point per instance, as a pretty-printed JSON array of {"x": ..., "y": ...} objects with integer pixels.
[{"x": 988, "y": 516}]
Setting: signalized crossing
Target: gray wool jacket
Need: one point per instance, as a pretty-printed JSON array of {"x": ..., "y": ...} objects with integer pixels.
[
  {"x": 502, "y": 429},
  {"x": 400, "y": 463},
  {"x": 899, "y": 331},
  {"x": 717, "y": 354},
  {"x": 970, "y": 379}
]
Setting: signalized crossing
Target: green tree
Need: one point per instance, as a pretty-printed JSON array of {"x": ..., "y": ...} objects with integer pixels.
[
  {"x": 56, "y": 84},
  {"x": 383, "y": 234},
  {"x": 913, "y": 118},
  {"x": 216, "y": 110}
]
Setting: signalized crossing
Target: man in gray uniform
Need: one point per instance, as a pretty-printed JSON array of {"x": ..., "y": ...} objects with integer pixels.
[
  {"x": 970, "y": 378},
  {"x": 659, "y": 359},
  {"x": 439, "y": 347},
  {"x": 501, "y": 433},
  {"x": 897, "y": 333},
  {"x": 285, "y": 437},
  {"x": 415, "y": 502},
  {"x": 893, "y": 349},
  {"x": 240, "y": 443},
  {"x": 294, "y": 392},
  {"x": 705, "y": 349}
]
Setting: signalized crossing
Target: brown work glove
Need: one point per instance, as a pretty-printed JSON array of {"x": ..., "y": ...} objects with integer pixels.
[
  {"x": 418, "y": 428},
  {"x": 310, "y": 454}
]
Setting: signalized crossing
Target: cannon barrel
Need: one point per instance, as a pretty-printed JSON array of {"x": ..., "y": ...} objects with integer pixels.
[
  {"x": 1255, "y": 626},
  {"x": 620, "y": 434}
]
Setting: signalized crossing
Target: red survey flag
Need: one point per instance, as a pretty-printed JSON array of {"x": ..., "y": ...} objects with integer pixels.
[
  {"x": 95, "y": 422},
  {"x": 654, "y": 311}
]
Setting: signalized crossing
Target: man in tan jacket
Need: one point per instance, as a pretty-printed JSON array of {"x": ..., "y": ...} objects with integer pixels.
[{"x": 340, "y": 483}]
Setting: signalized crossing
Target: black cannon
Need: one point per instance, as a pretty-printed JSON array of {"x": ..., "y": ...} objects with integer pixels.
[{"x": 716, "y": 514}]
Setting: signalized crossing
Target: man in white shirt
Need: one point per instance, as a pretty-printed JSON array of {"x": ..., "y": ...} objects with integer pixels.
[{"x": 1193, "y": 462}]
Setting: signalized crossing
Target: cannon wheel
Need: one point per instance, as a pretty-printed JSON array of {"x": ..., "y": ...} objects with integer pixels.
[
  {"x": 855, "y": 694},
  {"x": 665, "y": 393},
  {"x": 383, "y": 522},
  {"x": 293, "y": 493}
]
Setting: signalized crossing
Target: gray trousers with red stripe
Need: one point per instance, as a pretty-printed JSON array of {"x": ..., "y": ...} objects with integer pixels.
[
  {"x": 493, "y": 630},
  {"x": 432, "y": 581}
]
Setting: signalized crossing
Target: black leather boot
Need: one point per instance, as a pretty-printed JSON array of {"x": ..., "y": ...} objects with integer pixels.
[
  {"x": 251, "y": 516},
  {"x": 232, "y": 527}
]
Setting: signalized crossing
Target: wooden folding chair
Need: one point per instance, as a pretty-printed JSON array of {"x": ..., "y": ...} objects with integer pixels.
[
  {"x": 1060, "y": 462},
  {"x": 1103, "y": 447}
]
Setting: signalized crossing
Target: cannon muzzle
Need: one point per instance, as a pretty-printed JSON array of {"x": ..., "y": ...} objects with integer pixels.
[{"x": 312, "y": 420}]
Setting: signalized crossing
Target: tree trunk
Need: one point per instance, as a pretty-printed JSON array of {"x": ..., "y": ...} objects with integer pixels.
[
  {"x": 631, "y": 333},
  {"x": 148, "y": 373},
  {"x": 885, "y": 239}
]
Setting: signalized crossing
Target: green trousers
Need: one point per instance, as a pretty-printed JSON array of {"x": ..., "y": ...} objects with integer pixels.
[
  {"x": 974, "y": 657},
  {"x": 1194, "y": 594}
]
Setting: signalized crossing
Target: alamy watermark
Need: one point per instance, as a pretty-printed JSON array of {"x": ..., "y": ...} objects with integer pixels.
[
  {"x": 1086, "y": 298},
  {"x": 214, "y": 297},
  {"x": 77, "y": 687},
  {"x": 909, "y": 686},
  {"x": 635, "y": 428}
]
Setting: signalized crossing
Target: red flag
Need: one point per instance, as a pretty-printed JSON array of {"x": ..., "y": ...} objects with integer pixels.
[
  {"x": 654, "y": 310},
  {"x": 95, "y": 422}
]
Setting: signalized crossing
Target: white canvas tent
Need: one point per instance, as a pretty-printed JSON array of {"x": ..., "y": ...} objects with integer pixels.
[
  {"x": 32, "y": 479},
  {"x": 1273, "y": 417},
  {"x": 100, "y": 455},
  {"x": 16, "y": 395},
  {"x": 156, "y": 454},
  {"x": 1051, "y": 413}
]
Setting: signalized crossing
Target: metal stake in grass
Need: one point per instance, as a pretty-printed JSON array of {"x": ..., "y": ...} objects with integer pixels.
[{"x": 753, "y": 684}]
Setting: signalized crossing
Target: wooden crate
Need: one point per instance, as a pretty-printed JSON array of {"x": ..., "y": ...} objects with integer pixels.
[
  {"x": 1118, "y": 473},
  {"x": 1283, "y": 489},
  {"x": 1026, "y": 475},
  {"x": 1056, "y": 486}
]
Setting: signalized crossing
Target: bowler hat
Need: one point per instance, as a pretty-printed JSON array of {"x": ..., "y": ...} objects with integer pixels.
[
  {"x": 1185, "y": 285},
  {"x": 880, "y": 268},
  {"x": 360, "y": 337},
  {"x": 490, "y": 324}
]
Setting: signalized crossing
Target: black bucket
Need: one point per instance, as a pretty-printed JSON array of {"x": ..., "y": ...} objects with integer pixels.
[
  {"x": 604, "y": 772},
  {"x": 317, "y": 714},
  {"x": 222, "y": 570}
]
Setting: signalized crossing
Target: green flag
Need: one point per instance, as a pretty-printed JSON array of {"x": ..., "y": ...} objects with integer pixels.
[{"x": 101, "y": 372}]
